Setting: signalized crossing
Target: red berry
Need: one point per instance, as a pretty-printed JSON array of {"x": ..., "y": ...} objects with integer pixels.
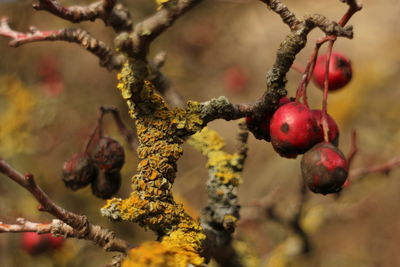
[
  {"x": 235, "y": 79},
  {"x": 324, "y": 168},
  {"x": 109, "y": 155},
  {"x": 55, "y": 241},
  {"x": 33, "y": 243},
  {"x": 294, "y": 130},
  {"x": 340, "y": 71},
  {"x": 333, "y": 130},
  {"x": 260, "y": 129},
  {"x": 79, "y": 171}
]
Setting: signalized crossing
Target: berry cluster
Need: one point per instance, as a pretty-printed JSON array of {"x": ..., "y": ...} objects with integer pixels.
[
  {"x": 101, "y": 170},
  {"x": 295, "y": 129}
]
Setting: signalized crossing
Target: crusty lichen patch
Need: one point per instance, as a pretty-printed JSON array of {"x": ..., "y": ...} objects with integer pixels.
[
  {"x": 151, "y": 203},
  {"x": 156, "y": 254},
  {"x": 223, "y": 164},
  {"x": 224, "y": 179}
]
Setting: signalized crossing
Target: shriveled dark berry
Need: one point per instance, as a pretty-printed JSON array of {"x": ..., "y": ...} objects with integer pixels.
[
  {"x": 109, "y": 155},
  {"x": 106, "y": 184},
  {"x": 78, "y": 171},
  {"x": 294, "y": 130},
  {"x": 324, "y": 169}
]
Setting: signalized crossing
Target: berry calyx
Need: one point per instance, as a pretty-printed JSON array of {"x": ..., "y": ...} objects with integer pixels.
[
  {"x": 109, "y": 155},
  {"x": 78, "y": 171},
  {"x": 294, "y": 130},
  {"x": 324, "y": 169},
  {"x": 333, "y": 129},
  {"x": 340, "y": 71}
]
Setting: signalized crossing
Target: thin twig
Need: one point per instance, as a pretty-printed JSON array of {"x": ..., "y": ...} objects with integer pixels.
[
  {"x": 384, "y": 168},
  {"x": 107, "y": 57},
  {"x": 162, "y": 83},
  {"x": 123, "y": 130},
  {"x": 150, "y": 28},
  {"x": 353, "y": 148}
]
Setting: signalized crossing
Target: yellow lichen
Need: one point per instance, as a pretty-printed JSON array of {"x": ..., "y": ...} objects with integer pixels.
[
  {"x": 210, "y": 144},
  {"x": 156, "y": 254},
  {"x": 151, "y": 203}
]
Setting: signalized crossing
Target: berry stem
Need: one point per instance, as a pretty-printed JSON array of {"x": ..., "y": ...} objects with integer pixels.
[
  {"x": 308, "y": 71},
  {"x": 126, "y": 134},
  {"x": 325, "y": 97},
  {"x": 353, "y": 148},
  {"x": 307, "y": 74},
  {"x": 98, "y": 128}
]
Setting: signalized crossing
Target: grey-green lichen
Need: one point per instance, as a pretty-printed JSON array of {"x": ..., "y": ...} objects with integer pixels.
[{"x": 224, "y": 177}]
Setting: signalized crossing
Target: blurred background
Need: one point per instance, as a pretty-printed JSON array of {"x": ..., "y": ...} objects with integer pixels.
[{"x": 50, "y": 93}]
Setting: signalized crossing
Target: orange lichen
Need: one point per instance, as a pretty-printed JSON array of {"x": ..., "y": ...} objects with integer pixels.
[
  {"x": 156, "y": 254},
  {"x": 151, "y": 203}
]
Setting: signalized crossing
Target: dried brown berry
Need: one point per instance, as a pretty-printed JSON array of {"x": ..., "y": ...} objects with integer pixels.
[
  {"x": 79, "y": 171},
  {"x": 324, "y": 168},
  {"x": 109, "y": 155},
  {"x": 106, "y": 184}
]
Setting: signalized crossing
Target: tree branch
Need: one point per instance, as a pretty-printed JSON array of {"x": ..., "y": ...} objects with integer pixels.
[
  {"x": 107, "y": 57},
  {"x": 80, "y": 225},
  {"x": 138, "y": 42},
  {"x": 114, "y": 15},
  {"x": 283, "y": 11},
  {"x": 162, "y": 83}
]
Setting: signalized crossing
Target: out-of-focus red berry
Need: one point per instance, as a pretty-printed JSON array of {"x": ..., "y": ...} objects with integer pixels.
[
  {"x": 50, "y": 76},
  {"x": 235, "y": 79},
  {"x": 35, "y": 243},
  {"x": 55, "y": 241},
  {"x": 340, "y": 71}
]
